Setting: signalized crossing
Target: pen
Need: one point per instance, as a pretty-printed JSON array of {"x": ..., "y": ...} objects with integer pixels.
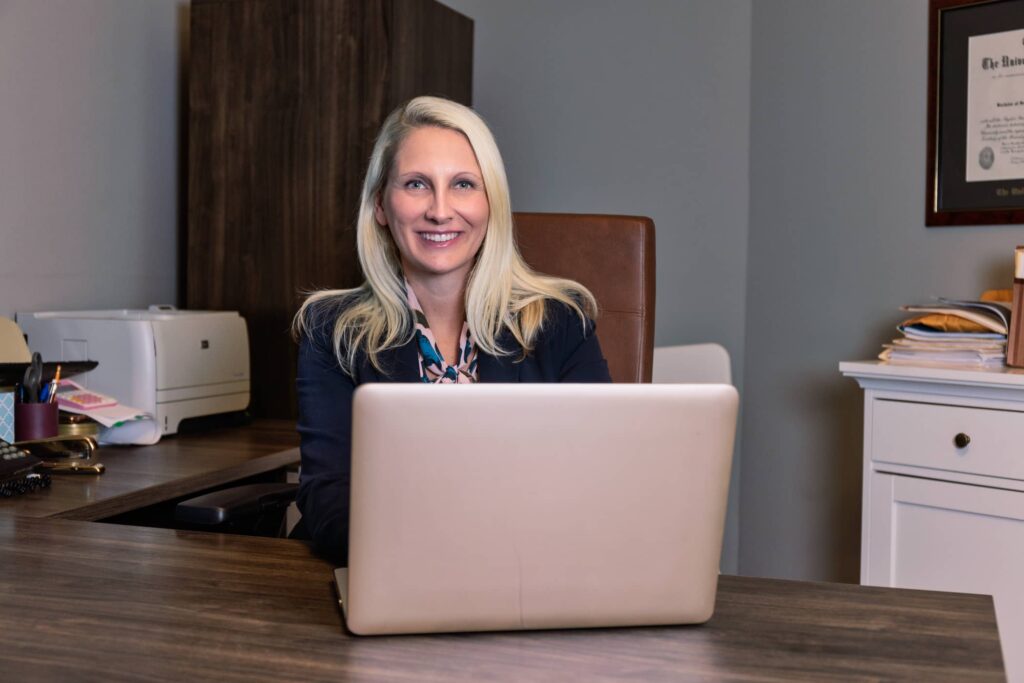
[{"x": 52, "y": 396}]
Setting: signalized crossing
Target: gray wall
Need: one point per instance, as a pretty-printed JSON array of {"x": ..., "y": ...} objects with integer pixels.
[
  {"x": 634, "y": 108},
  {"x": 607, "y": 106},
  {"x": 88, "y": 153},
  {"x": 657, "y": 108},
  {"x": 837, "y": 243}
]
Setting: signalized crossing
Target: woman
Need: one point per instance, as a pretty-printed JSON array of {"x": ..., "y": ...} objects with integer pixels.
[{"x": 447, "y": 298}]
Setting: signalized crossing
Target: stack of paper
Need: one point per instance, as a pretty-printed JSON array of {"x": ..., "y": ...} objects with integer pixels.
[{"x": 971, "y": 333}]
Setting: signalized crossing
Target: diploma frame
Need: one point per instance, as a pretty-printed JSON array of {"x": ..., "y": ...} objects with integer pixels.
[{"x": 950, "y": 199}]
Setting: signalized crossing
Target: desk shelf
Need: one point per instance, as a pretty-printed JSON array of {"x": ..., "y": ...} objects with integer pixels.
[{"x": 176, "y": 467}]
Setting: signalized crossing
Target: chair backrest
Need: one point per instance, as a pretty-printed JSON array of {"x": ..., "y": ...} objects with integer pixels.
[
  {"x": 613, "y": 257},
  {"x": 692, "y": 364}
]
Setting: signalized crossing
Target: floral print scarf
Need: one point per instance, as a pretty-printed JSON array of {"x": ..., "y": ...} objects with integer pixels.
[{"x": 433, "y": 368}]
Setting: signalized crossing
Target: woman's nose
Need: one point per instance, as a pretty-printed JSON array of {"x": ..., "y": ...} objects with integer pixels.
[{"x": 440, "y": 210}]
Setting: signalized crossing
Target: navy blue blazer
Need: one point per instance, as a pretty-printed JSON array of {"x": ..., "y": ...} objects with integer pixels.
[{"x": 563, "y": 352}]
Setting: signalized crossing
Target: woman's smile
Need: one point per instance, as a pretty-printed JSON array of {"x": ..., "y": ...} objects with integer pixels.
[{"x": 440, "y": 239}]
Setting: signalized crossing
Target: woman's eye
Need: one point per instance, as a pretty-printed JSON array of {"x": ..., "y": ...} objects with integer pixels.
[
  {"x": 415, "y": 185},
  {"x": 465, "y": 184}
]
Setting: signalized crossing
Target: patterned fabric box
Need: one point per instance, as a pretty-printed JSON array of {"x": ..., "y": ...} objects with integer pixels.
[{"x": 7, "y": 413}]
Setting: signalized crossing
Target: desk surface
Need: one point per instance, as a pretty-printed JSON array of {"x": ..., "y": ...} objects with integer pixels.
[
  {"x": 107, "y": 602},
  {"x": 138, "y": 476}
]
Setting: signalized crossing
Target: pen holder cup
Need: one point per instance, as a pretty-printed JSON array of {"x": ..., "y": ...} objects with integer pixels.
[{"x": 35, "y": 421}]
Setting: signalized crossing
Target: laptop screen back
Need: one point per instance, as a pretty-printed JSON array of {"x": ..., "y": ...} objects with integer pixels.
[{"x": 493, "y": 507}]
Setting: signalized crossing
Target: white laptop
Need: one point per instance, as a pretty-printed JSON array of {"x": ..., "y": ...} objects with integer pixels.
[{"x": 535, "y": 506}]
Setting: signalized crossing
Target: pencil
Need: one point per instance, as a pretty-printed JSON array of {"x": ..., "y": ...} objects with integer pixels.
[{"x": 53, "y": 386}]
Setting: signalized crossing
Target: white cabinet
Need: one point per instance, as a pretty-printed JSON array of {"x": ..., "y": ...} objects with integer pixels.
[{"x": 943, "y": 502}]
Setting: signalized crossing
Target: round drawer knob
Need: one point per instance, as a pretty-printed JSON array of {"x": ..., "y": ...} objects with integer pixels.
[{"x": 961, "y": 440}]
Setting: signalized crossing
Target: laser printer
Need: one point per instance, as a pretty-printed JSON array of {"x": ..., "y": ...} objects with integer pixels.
[{"x": 173, "y": 364}]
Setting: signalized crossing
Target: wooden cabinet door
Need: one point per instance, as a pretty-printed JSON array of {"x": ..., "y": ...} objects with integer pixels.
[
  {"x": 938, "y": 535},
  {"x": 285, "y": 99}
]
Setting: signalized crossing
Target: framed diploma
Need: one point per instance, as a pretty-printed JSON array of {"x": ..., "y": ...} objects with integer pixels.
[{"x": 975, "y": 112}]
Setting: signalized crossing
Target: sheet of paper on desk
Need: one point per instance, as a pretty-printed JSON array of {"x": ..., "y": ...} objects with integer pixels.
[{"x": 110, "y": 416}]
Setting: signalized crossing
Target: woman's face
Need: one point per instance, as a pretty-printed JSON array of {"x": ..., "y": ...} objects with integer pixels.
[{"x": 435, "y": 205}]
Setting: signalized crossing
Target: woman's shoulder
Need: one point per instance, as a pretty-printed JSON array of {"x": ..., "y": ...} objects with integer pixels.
[
  {"x": 558, "y": 310},
  {"x": 326, "y": 306},
  {"x": 566, "y": 348},
  {"x": 321, "y": 348},
  {"x": 562, "y": 319},
  {"x": 318, "y": 317}
]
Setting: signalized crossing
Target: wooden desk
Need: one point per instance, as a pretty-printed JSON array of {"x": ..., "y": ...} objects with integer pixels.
[
  {"x": 139, "y": 476},
  {"x": 86, "y": 601}
]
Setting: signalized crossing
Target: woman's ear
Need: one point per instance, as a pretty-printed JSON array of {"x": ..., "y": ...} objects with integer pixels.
[{"x": 378, "y": 210}]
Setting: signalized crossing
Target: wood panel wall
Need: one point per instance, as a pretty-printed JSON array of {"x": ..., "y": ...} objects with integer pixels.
[{"x": 285, "y": 99}]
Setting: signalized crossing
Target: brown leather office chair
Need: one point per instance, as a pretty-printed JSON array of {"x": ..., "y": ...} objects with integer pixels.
[{"x": 613, "y": 257}]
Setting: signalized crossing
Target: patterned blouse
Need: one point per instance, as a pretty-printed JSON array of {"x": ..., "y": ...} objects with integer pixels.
[{"x": 433, "y": 368}]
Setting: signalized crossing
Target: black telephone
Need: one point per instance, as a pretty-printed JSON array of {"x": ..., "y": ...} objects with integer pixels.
[{"x": 17, "y": 471}]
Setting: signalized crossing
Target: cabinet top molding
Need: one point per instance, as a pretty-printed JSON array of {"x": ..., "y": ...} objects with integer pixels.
[
  {"x": 1002, "y": 375},
  {"x": 1000, "y": 381}
]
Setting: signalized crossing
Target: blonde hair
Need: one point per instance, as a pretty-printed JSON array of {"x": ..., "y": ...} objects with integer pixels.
[{"x": 503, "y": 293}]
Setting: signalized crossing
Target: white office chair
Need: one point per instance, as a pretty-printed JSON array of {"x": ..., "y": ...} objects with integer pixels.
[
  {"x": 691, "y": 363},
  {"x": 699, "y": 364}
]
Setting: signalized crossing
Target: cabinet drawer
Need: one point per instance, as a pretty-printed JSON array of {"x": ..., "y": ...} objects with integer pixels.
[{"x": 924, "y": 434}]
